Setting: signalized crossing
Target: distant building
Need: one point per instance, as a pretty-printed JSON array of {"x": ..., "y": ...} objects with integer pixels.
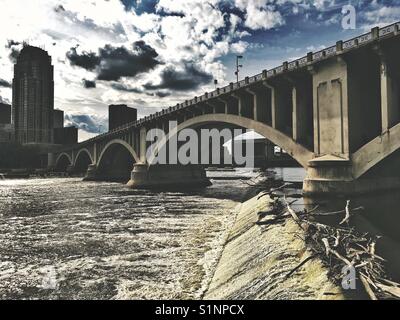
[
  {"x": 33, "y": 96},
  {"x": 120, "y": 114},
  {"x": 5, "y": 113},
  {"x": 6, "y": 133},
  {"x": 58, "y": 119},
  {"x": 66, "y": 136},
  {"x": 6, "y": 128}
]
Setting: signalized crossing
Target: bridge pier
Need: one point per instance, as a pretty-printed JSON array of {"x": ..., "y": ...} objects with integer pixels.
[
  {"x": 144, "y": 176},
  {"x": 91, "y": 174},
  {"x": 70, "y": 169},
  {"x": 331, "y": 175}
]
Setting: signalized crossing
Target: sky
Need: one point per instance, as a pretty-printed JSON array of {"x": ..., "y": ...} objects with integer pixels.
[{"x": 152, "y": 54}]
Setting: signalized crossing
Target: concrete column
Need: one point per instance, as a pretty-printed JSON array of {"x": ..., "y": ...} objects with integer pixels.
[
  {"x": 95, "y": 153},
  {"x": 213, "y": 107},
  {"x": 299, "y": 113},
  {"x": 245, "y": 104},
  {"x": 257, "y": 105},
  {"x": 51, "y": 161},
  {"x": 164, "y": 126},
  {"x": 225, "y": 105},
  {"x": 73, "y": 157},
  {"x": 143, "y": 145},
  {"x": 389, "y": 96},
  {"x": 240, "y": 104},
  {"x": 274, "y": 106},
  {"x": 331, "y": 120}
]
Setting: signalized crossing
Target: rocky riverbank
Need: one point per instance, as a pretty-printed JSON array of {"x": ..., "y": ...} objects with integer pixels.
[{"x": 257, "y": 259}]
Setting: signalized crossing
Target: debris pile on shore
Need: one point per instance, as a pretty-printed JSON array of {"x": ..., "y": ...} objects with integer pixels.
[{"x": 350, "y": 256}]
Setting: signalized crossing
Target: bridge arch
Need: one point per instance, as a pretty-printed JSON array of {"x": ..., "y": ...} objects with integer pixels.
[
  {"x": 377, "y": 150},
  {"x": 62, "y": 162},
  {"x": 116, "y": 161},
  {"x": 301, "y": 154},
  {"x": 82, "y": 160}
]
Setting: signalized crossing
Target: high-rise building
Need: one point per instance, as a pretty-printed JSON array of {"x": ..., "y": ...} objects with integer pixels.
[
  {"x": 33, "y": 96},
  {"x": 5, "y": 113},
  {"x": 120, "y": 114},
  {"x": 58, "y": 119}
]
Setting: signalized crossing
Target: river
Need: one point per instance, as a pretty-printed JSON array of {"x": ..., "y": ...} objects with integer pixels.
[{"x": 67, "y": 239}]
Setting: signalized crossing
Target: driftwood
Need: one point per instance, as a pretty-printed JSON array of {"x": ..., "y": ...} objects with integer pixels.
[
  {"x": 323, "y": 214},
  {"x": 286, "y": 185},
  {"x": 340, "y": 246},
  {"x": 301, "y": 264},
  {"x": 347, "y": 217}
]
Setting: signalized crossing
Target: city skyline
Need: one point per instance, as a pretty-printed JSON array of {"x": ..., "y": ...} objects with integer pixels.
[{"x": 130, "y": 52}]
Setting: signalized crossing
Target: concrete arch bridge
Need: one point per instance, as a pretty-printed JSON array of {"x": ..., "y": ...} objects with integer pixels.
[{"x": 336, "y": 112}]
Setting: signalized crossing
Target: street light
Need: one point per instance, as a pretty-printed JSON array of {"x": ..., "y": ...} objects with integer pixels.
[{"x": 237, "y": 67}]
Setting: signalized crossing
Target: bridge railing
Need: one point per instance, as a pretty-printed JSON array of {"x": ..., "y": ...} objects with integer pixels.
[{"x": 312, "y": 57}]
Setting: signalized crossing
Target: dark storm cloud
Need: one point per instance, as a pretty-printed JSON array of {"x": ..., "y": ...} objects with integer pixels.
[
  {"x": 4, "y": 100},
  {"x": 59, "y": 8},
  {"x": 120, "y": 62},
  {"x": 14, "y": 55},
  {"x": 124, "y": 88},
  {"x": 12, "y": 43},
  {"x": 88, "y": 123},
  {"x": 85, "y": 60},
  {"x": 13, "y": 46},
  {"x": 113, "y": 63},
  {"x": 4, "y": 83},
  {"x": 160, "y": 94},
  {"x": 88, "y": 84},
  {"x": 190, "y": 78}
]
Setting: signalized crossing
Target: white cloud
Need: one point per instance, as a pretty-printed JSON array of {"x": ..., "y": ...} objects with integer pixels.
[
  {"x": 260, "y": 14},
  {"x": 59, "y": 25},
  {"x": 382, "y": 16}
]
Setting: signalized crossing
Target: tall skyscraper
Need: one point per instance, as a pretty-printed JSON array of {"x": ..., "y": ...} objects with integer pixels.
[{"x": 33, "y": 96}]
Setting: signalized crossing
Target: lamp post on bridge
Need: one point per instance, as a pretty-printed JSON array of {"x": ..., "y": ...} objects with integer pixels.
[{"x": 238, "y": 66}]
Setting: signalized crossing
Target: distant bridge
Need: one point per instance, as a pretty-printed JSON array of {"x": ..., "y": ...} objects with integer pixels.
[{"x": 335, "y": 111}]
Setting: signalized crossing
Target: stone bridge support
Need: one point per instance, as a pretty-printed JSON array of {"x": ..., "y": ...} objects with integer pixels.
[{"x": 356, "y": 98}]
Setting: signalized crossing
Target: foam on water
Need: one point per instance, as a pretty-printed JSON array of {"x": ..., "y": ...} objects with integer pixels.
[{"x": 64, "y": 238}]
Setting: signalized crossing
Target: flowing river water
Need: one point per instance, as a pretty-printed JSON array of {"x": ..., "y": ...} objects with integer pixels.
[{"x": 68, "y": 239}]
